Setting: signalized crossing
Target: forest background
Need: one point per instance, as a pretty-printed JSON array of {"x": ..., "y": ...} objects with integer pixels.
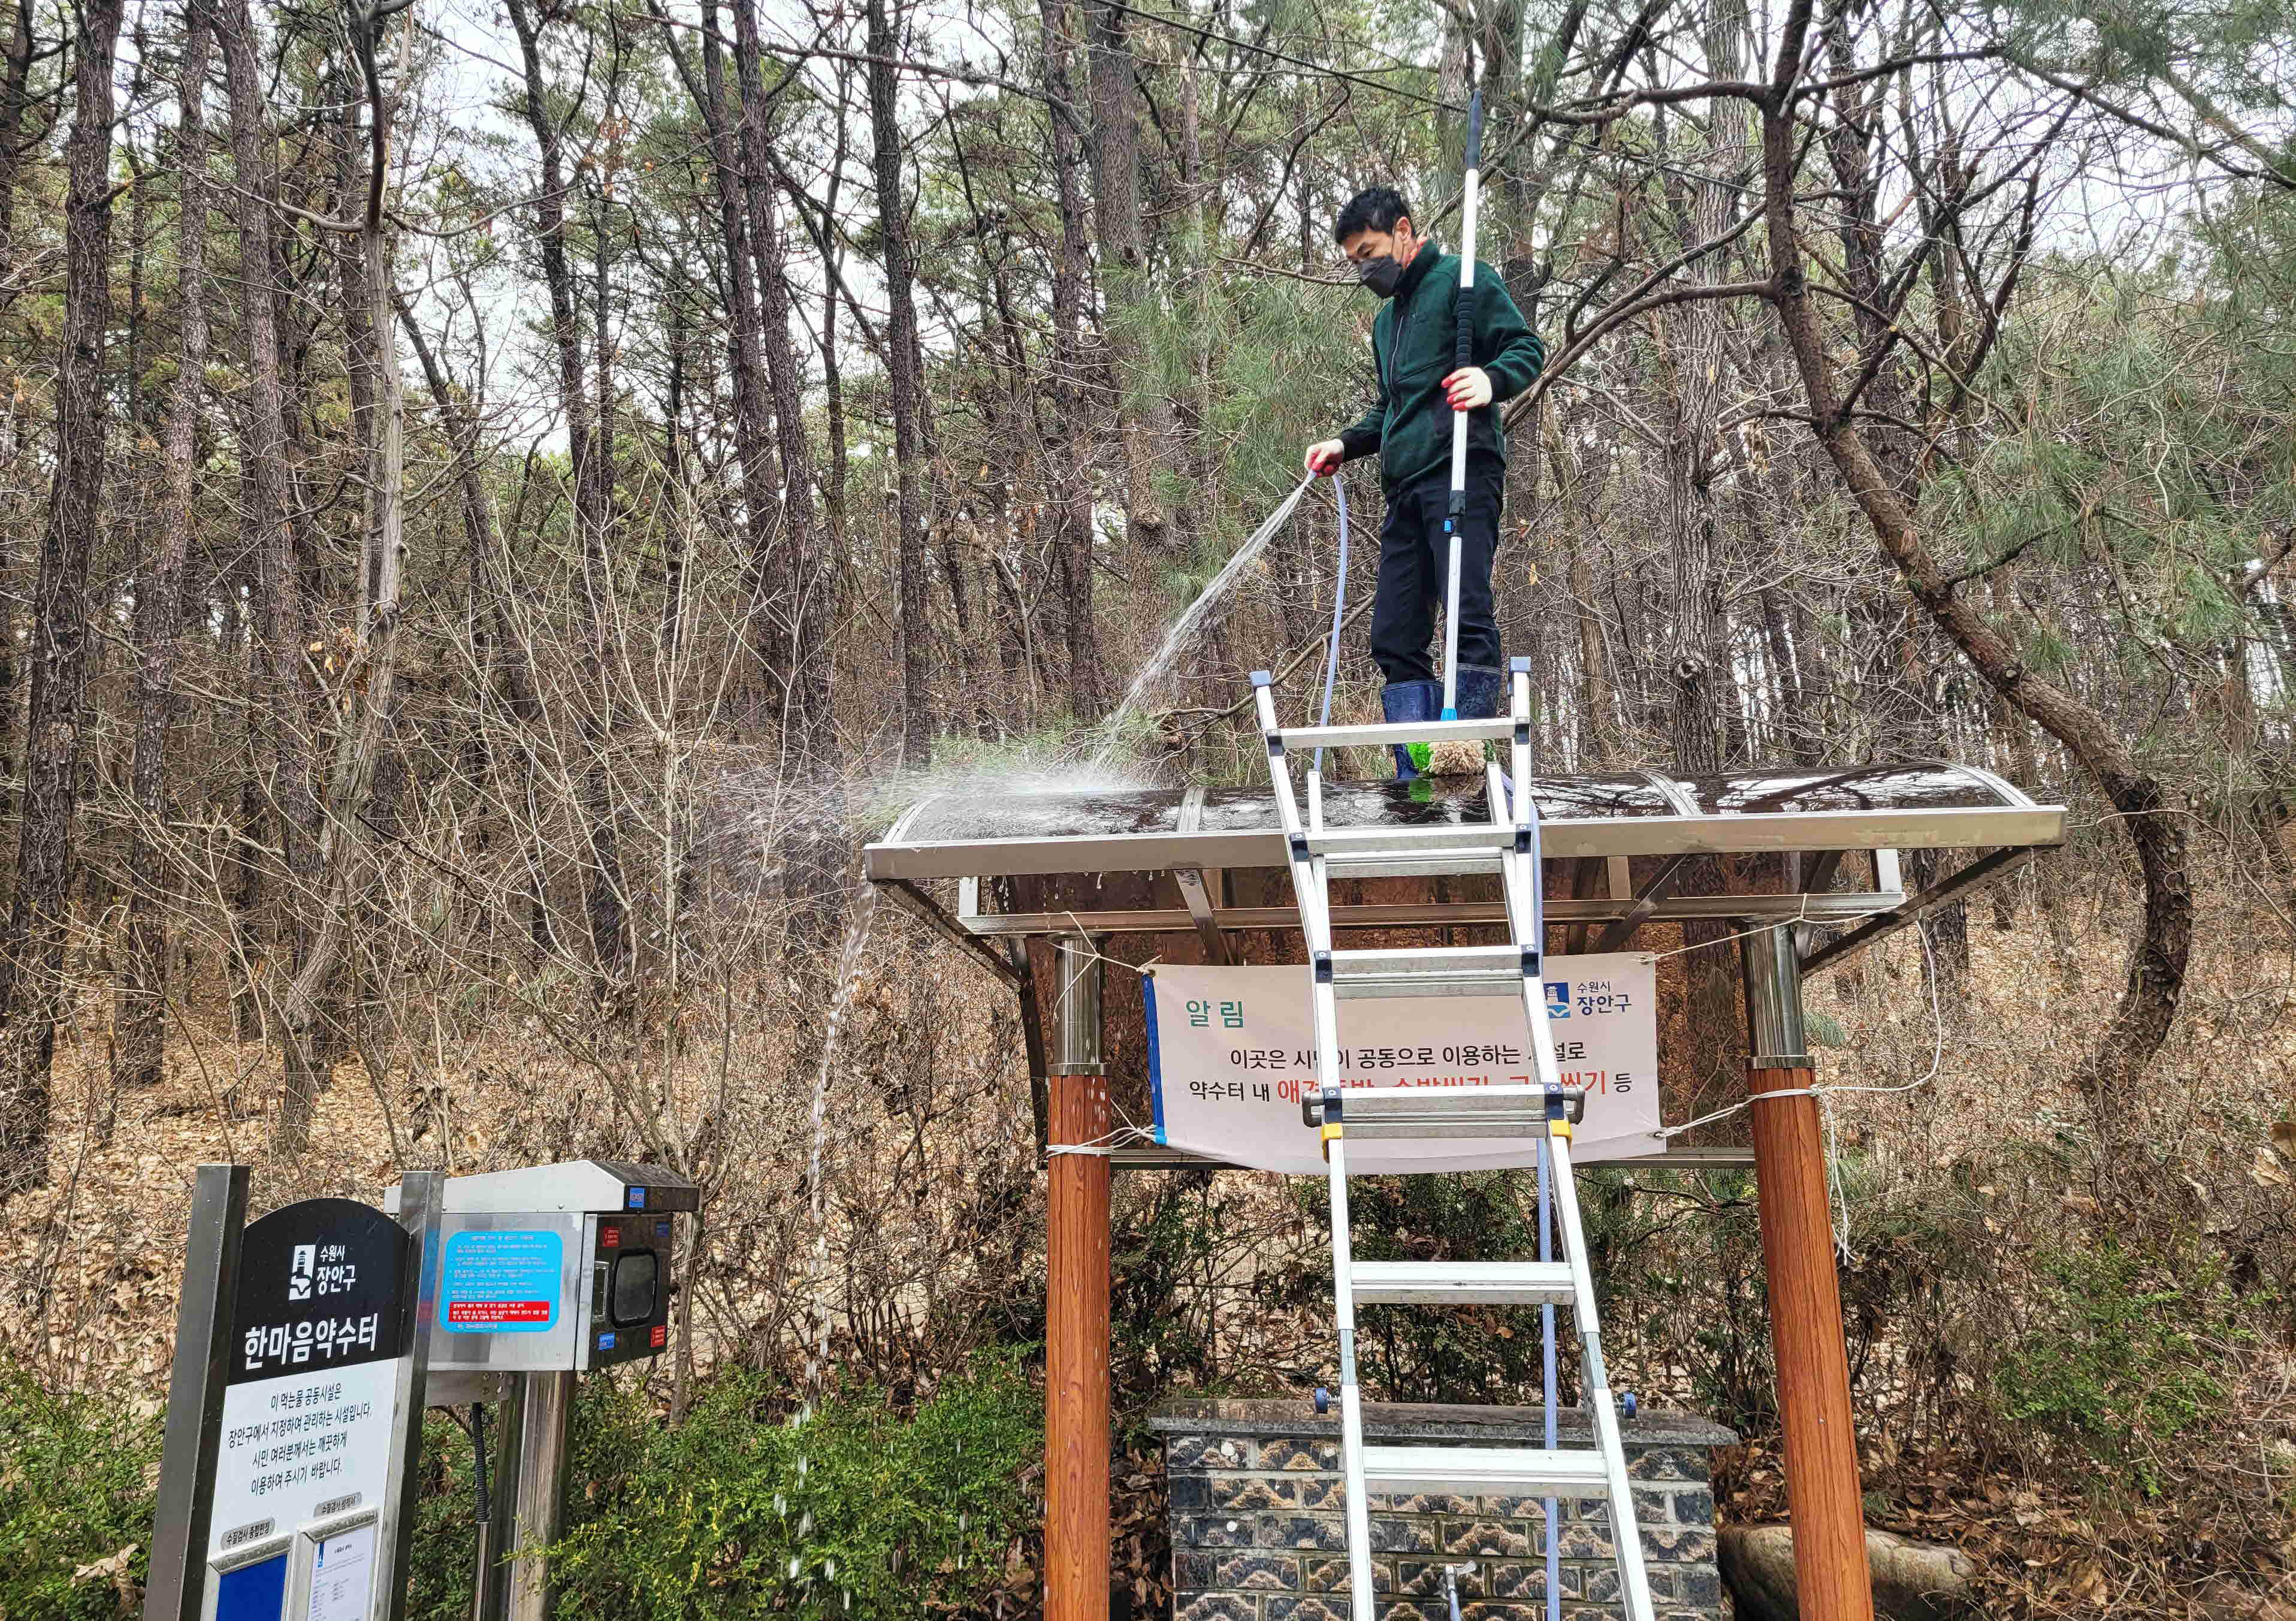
[{"x": 496, "y": 505}]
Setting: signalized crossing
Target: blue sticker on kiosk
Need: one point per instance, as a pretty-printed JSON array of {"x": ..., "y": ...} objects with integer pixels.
[
  {"x": 505, "y": 1282},
  {"x": 636, "y": 1198},
  {"x": 605, "y": 1342}
]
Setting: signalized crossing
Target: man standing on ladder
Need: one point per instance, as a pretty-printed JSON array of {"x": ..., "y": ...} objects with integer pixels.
[{"x": 1413, "y": 344}]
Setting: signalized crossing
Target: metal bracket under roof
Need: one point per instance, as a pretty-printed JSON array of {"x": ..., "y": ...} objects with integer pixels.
[
  {"x": 1196, "y": 885},
  {"x": 1986, "y": 866},
  {"x": 1657, "y": 890}
]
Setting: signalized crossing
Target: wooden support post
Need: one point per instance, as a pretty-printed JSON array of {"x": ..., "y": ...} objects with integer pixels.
[
  {"x": 1832, "y": 1582},
  {"x": 1075, "y": 1307}
]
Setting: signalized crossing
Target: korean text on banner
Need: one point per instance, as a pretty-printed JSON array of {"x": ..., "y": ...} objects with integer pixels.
[{"x": 1230, "y": 1050}]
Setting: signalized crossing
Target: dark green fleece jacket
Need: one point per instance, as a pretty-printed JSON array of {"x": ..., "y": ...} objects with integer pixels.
[{"x": 1413, "y": 344}]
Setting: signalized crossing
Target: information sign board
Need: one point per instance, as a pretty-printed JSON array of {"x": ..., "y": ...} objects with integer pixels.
[
  {"x": 1231, "y": 1048},
  {"x": 318, "y": 1327},
  {"x": 342, "y": 1575}
]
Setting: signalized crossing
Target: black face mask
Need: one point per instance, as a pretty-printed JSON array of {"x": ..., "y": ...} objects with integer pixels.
[{"x": 1382, "y": 275}]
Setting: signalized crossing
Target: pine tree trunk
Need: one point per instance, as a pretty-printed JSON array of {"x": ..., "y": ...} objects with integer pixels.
[
  {"x": 1704, "y": 672},
  {"x": 901, "y": 368},
  {"x": 1144, "y": 419},
  {"x": 753, "y": 444},
  {"x": 2161, "y": 952},
  {"x": 1072, "y": 471},
  {"x": 605, "y": 907},
  {"x": 798, "y": 588},
  {"x": 140, "y": 1018},
  {"x": 807, "y": 586},
  {"x": 33, "y": 995},
  {"x": 16, "y": 143},
  {"x": 269, "y": 529},
  {"x": 1700, "y": 654},
  {"x": 1203, "y": 506},
  {"x": 366, "y": 685}
]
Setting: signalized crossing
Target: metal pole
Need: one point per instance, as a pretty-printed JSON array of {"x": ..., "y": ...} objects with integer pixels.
[
  {"x": 422, "y": 1195},
  {"x": 1075, "y": 1329},
  {"x": 1549, "y": 1386},
  {"x": 1362, "y": 1595},
  {"x": 1076, "y": 1016},
  {"x": 499, "y": 1534},
  {"x": 1773, "y": 1025},
  {"x": 1462, "y": 355},
  {"x": 1831, "y": 1576},
  {"x": 545, "y": 1403},
  {"x": 176, "y": 1590}
]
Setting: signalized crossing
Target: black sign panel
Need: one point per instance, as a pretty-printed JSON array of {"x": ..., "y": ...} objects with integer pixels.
[{"x": 322, "y": 1284}]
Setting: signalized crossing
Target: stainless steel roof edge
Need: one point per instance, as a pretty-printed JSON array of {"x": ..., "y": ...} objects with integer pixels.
[
  {"x": 2009, "y": 792},
  {"x": 1841, "y": 907},
  {"x": 1939, "y": 827},
  {"x": 1671, "y": 791},
  {"x": 901, "y": 822}
]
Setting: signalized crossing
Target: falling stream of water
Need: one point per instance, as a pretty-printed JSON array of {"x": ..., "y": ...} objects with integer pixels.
[
  {"x": 848, "y": 977},
  {"x": 1187, "y": 624}
]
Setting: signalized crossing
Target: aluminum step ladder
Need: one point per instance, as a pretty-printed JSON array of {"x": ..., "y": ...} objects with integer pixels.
[{"x": 1508, "y": 846}]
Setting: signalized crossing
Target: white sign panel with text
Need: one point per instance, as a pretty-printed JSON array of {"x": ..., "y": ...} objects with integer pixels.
[{"x": 1230, "y": 1050}]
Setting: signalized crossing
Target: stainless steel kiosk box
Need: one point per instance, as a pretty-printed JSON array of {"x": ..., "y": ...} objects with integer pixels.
[
  {"x": 545, "y": 1274},
  {"x": 561, "y": 1268}
]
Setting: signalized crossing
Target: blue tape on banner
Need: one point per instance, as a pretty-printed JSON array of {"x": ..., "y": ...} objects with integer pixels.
[{"x": 1155, "y": 1059}]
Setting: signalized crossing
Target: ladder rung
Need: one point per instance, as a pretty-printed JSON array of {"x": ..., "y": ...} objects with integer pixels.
[
  {"x": 1409, "y": 864},
  {"x": 1469, "y": 982},
  {"x": 1463, "y": 1283},
  {"x": 1494, "y": 970},
  {"x": 1473, "y": 1472},
  {"x": 1497, "y": 727},
  {"x": 1447, "y": 1111},
  {"x": 1341, "y": 842},
  {"x": 1369, "y": 959}
]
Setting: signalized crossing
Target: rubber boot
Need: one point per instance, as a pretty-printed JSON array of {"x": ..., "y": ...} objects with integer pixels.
[
  {"x": 1481, "y": 691},
  {"x": 1401, "y": 701}
]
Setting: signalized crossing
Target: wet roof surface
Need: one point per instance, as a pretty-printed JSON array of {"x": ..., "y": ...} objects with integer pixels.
[{"x": 957, "y": 817}]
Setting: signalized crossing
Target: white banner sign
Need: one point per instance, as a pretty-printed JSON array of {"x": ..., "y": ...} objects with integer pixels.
[{"x": 1230, "y": 1050}]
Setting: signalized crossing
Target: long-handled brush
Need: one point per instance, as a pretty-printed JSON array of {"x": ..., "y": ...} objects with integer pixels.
[{"x": 1459, "y": 758}]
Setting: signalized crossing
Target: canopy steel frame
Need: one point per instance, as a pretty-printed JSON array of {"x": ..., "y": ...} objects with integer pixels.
[
  {"x": 1216, "y": 846},
  {"x": 1667, "y": 822}
]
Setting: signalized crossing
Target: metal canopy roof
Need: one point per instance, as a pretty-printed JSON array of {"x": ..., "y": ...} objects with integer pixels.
[{"x": 1811, "y": 819}]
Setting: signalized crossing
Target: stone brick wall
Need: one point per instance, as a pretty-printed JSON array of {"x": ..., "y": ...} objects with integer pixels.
[{"x": 1258, "y": 1535}]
